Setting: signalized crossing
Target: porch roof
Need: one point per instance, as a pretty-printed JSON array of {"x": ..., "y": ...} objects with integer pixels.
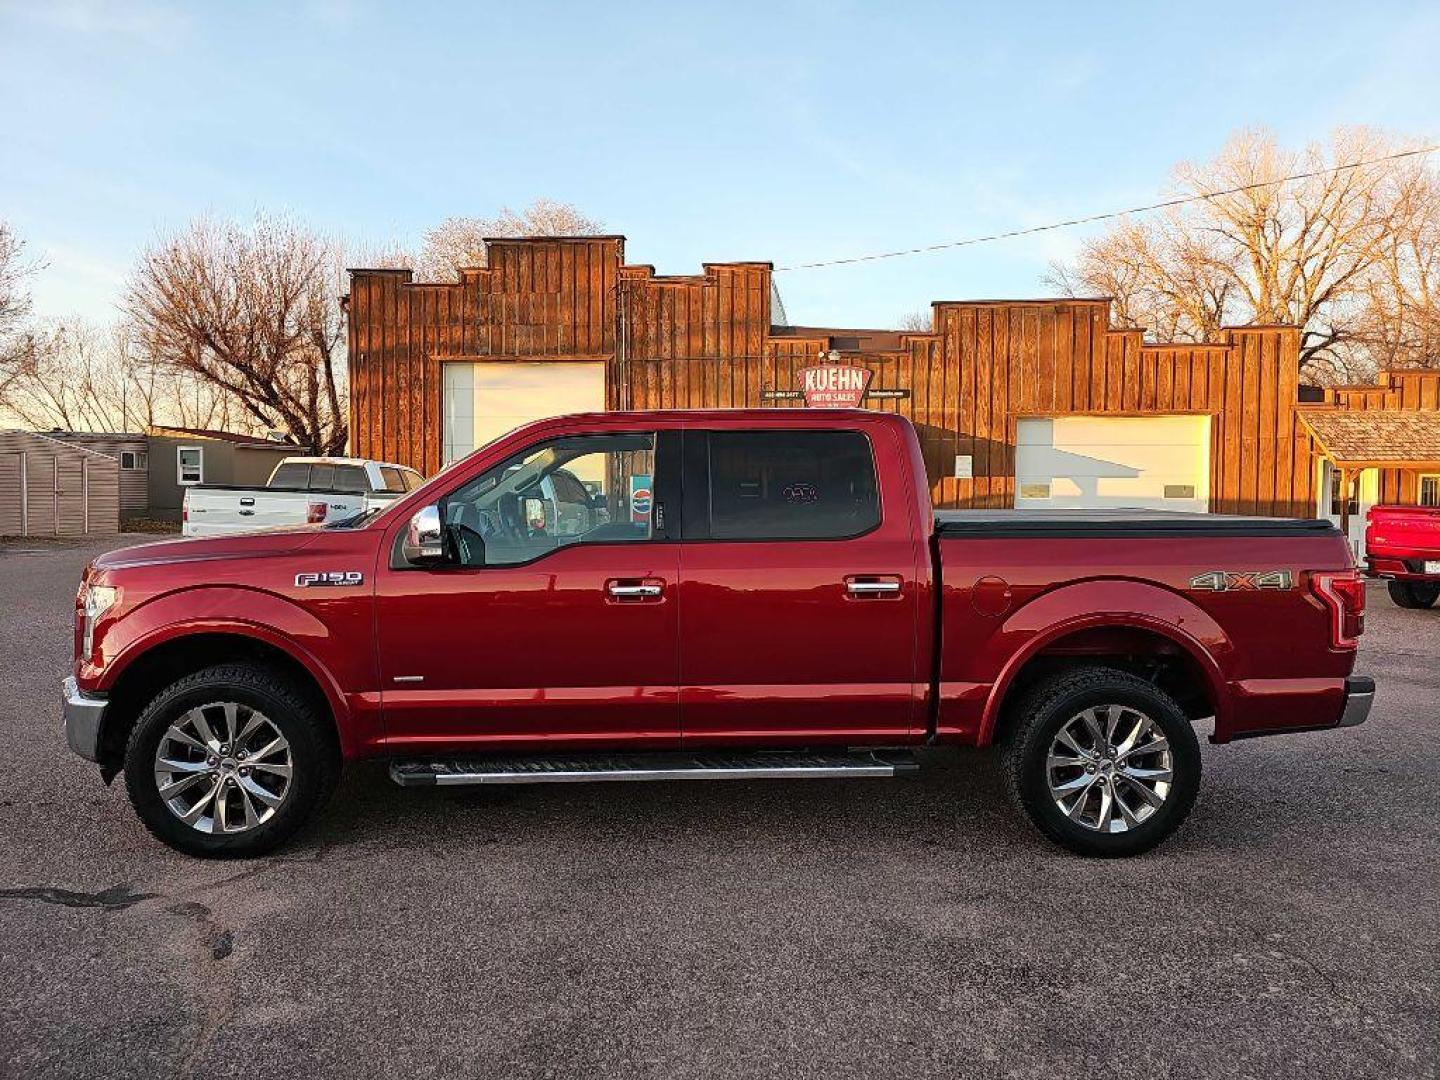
[{"x": 1376, "y": 438}]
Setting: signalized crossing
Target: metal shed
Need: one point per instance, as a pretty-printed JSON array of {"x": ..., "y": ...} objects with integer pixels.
[
  {"x": 132, "y": 450},
  {"x": 52, "y": 488}
]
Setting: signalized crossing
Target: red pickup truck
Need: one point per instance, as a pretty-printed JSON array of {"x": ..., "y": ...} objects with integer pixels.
[
  {"x": 718, "y": 594},
  {"x": 1402, "y": 546}
]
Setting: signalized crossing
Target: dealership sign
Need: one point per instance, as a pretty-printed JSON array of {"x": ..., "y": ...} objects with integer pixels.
[{"x": 834, "y": 386}]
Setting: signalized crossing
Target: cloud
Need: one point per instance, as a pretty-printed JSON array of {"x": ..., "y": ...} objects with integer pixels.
[{"x": 159, "y": 25}]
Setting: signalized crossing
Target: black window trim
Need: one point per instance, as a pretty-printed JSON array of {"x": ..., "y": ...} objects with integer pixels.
[
  {"x": 665, "y": 529},
  {"x": 695, "y": 488}
]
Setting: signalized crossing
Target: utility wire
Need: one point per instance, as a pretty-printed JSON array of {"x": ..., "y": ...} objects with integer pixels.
[{"x": 1203, "y": 196}]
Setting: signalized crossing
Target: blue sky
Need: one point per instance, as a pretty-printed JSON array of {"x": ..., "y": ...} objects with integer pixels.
[{"x": 782, "y": 131}]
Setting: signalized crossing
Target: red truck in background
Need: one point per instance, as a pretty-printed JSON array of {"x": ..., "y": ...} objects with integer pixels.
[
  {"x": 716, "y": 594},
  {"x": 1402, "y": 546}
]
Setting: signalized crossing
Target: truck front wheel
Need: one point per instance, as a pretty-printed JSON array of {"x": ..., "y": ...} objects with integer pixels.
[
  {"x": 1413, "y": 594},
  {"x": 1104, "y": 763},
  {"x": 229, "y": 761}
]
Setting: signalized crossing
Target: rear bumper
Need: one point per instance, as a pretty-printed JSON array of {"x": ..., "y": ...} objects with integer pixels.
[
  {"x": 1359, "y": 696},
  {"x": 1286, "y": 707},
  {"x": 1401, "y": 568},
  {"x": 83, "y": 715}
]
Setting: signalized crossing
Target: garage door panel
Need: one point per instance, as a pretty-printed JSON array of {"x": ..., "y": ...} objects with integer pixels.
[
  {"x": 1107, "y": 461},
  {"x": 1113, "y": 431}
]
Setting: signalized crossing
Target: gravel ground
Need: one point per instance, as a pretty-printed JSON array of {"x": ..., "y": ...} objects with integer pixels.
[{"x": 818, "y": 928}]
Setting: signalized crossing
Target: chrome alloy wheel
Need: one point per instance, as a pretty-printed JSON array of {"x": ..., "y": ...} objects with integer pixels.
[
  {"x": 1109, "y": 768},
  {"x": 223, "y": 768}
]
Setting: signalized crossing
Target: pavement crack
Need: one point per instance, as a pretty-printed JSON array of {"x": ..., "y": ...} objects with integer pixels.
[
  {"x": 115, "y": 898},
  {"x": 217, "y": 994}
]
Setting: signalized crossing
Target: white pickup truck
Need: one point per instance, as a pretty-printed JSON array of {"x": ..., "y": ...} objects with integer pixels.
[{"x": 301, "y": 490}]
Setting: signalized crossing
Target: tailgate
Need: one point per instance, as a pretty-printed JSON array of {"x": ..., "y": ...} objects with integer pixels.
[{"x": 1404, "y": 530}]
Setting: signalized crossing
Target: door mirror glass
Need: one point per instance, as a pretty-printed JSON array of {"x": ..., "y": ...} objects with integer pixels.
[{"x": 425, "y": 538}]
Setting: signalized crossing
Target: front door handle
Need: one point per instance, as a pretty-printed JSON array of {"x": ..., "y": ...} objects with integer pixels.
[
  {"x": 871, "y": 587},
  {"x": 635, "y": 590}
]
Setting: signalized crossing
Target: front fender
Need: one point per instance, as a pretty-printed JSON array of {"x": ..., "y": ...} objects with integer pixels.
[
  {"x": 226, "y": 609},
  {"x": 1086, "y": 605}
]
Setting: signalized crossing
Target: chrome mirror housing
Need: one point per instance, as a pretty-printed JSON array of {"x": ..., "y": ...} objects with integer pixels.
[{"x": 425, "y": 537}]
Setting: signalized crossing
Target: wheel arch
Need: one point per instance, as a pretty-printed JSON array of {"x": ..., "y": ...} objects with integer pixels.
[
  {"x": 152, "y": 664},
  {"x": 1131, "y": 641}
]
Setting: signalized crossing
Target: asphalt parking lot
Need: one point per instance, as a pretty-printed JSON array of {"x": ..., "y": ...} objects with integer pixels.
[{"x": 829, "y": 929}]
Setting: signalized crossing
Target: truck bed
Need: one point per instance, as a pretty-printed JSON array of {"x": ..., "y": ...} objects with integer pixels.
[{"x": 1112, "y": 523}]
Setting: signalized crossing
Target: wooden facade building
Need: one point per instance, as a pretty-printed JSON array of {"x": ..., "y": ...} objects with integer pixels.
[{"x": 989, "y": 379}]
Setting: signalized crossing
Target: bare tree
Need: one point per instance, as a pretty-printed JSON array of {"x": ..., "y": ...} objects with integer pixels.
[
  {"x": 66, "y": 381},
  {"x": 919, "y": 321},
  {"x": 1301, "y": 252},
  {"x": 459, "y": 242},
  {"x": 1400, "y": 321},
  {"x": 253, "y": 313},
  {"x": 15, "y": 346}
]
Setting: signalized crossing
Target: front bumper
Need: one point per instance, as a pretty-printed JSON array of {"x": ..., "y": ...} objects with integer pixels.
[
  {"x": 1359, "y": 696},
  {"x": 83, "y": 715}
]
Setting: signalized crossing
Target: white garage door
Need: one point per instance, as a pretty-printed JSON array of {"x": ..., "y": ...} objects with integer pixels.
[
  {"x": 484, "y": 401},
  {"x": 1155, "y": 462}
]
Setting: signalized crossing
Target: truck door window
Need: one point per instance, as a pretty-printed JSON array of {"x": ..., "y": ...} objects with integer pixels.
[
  {"x": 391, "y": 479},
  {"x": 791, "y": 485},
  {"x": 570, "y": 490}
]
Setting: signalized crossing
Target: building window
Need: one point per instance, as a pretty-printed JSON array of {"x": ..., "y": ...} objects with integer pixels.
[
  {"x": 191, "y": 465},
  {"x": 1353, "y": 497},
  {"x": 134, "y": 460},
  {"x": 1430, "y": 490},
  {"x": 1035, "y": 490},
  {"x": 1179, "y": 491}
]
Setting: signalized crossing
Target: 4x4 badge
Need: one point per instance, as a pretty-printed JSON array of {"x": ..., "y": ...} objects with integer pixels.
[
  {"x": 331, "y": 577},
  {"x": 1241, "y": 580}
]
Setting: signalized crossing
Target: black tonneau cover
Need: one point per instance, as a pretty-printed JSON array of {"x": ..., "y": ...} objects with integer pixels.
[{"x": 978, "y": 524}]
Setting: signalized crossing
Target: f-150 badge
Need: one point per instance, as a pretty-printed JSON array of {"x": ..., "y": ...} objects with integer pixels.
[
  {"x": 1241, "y": 581},
  {"x": 331, "y": 577}
]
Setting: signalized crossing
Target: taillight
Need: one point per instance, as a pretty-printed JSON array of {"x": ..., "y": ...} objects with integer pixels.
[
  {"x": 1343, "y": 594},
  {"x": 316, "y": 514}
]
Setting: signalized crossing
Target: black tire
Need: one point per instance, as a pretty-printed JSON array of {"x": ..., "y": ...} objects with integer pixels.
[
  {"x": 1413, "y": 594},
  {"x": 315, "y": 761},
  {"x": 1038, "y": 717}
]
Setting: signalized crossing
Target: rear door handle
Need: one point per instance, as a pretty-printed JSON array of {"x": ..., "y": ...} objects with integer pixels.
[
  {"x": 635, "y": 590},
  {"x": 871, "y": 587}
]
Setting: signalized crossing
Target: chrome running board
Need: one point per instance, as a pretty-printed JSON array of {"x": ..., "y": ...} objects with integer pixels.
[{"x": 716, "y": 765}]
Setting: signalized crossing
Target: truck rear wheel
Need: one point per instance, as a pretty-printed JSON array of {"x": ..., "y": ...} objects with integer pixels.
[
  {"x": 1103, "y": 763},
  {"x": 229, "y": 762},
  {"x": 1413, "y": 594}
]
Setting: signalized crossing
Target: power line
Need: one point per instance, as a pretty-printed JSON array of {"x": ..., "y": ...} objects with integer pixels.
[{"x": 1203, "y": 196}]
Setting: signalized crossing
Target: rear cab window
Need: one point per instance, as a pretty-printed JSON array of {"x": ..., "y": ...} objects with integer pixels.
[
  {"x": 790, "y": 485},
  {"x": 350, "y": 479},
  {"x": 293, "y": 474}
]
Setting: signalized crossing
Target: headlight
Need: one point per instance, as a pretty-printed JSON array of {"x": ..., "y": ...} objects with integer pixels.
[{"x": 98, "y": 600}]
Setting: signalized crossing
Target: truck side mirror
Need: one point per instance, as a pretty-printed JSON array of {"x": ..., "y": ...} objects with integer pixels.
[{"x": 425, "y": 538}]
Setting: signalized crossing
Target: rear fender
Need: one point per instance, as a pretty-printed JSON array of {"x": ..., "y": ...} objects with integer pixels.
[{"x": 1105, "y": 603}]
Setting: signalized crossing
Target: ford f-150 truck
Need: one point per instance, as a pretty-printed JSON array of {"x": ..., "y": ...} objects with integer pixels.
[
  {"x": 707, "y": 595},
  {"x": 1402, "y": 546},
  {"x": 300, "y": 491}
]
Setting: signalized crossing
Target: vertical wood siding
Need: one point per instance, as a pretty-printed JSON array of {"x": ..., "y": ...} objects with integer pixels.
[
  {"x": 537, "y": 299},
  {"x": 703, "y": 341},
  {"x": 990, "y": 364}
]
